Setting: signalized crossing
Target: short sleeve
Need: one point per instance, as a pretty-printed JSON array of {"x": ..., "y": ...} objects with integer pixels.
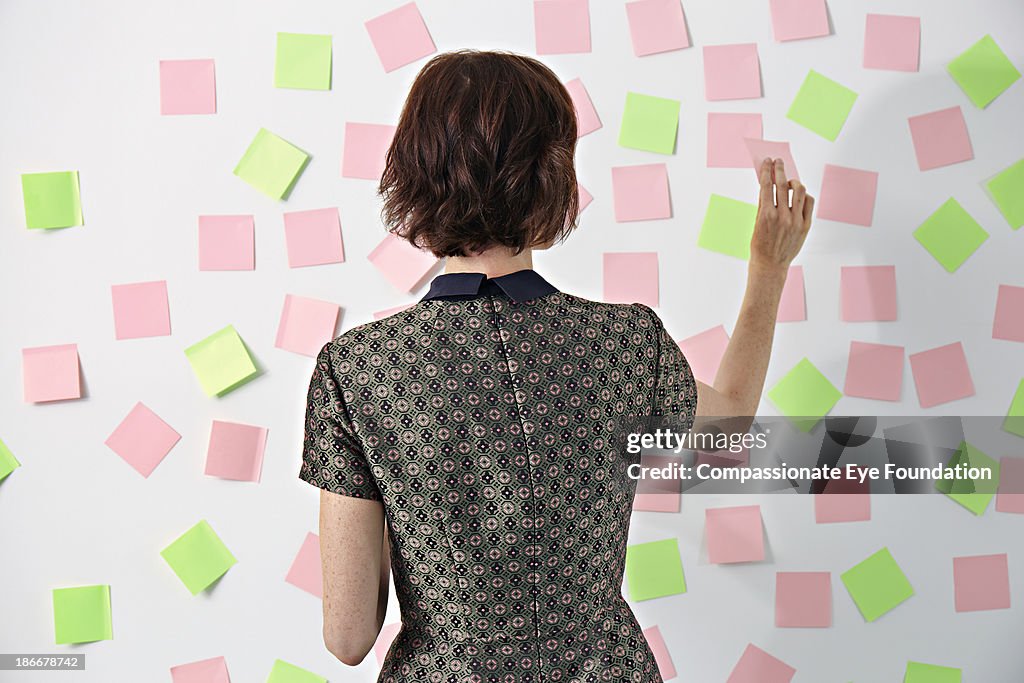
[
  {"x": 675, "y": 389},
  {"x": 332, "y": 455}
]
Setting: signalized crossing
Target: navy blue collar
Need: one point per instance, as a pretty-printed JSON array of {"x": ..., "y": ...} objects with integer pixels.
[{"x": 522, "y": 285}]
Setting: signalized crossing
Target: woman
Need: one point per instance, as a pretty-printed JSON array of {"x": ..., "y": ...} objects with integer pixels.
[{"x": 466, "y": 444}]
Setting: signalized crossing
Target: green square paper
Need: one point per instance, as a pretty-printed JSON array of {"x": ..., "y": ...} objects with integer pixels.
[
  {"x": 654, "y": 570},
  {"x": 221, "y": 362},
  {"x": 976, "y": 494},
  {"x": 728, "y": 226},
  {"x": 8, "y": 463},
  {"x": 822, "y": 105},
  {"x": 198, "y": 557},
  {"x": 877, "y": 584},
  {"x": 283, "y": 672},
  {"x": 649, "y": 123},
  {"x": 271, "y": 164},
  {"x": 931, "y": 673},
  {"x": 303, "y": 61},
  {"x": 82, "y": 614},
  {"x": 950, "y": 235},
  {"x": 1014, "y": 422},
  {"x": 983, "y": 71},
  {"x": 1007, "y": 189},
  {"x": 804, "y": 393},
  {"x": 51, "y": 199}
]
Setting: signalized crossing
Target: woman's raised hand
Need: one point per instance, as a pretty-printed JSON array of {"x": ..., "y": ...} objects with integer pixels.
[{"x": 782, "y": 220}]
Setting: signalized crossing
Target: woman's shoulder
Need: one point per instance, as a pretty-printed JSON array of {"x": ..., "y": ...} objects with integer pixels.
[{"x": 636, "y": 313}]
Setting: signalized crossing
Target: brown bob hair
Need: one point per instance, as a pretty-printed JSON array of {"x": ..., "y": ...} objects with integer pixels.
[{"x": 483, "y": 156}]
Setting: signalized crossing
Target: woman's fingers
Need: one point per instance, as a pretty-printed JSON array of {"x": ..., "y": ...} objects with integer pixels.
[
  {"x": 781, "y": 187},
  {"x": 765, "y": 178},
  {"x": 799, "y": 193},
  {"x": 808, "y": 210}
]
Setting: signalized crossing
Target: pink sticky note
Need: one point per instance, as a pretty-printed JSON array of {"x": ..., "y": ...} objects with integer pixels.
[
  {"x": 941, "y": 375},
  {"x": 313, "y": 237},
  {"x": 213, "y": 670},
  {"x": 981, "y": 582},
  {"x": 584, "y": 197},
  {"x": 758, "y": 150},
  {"x": 641, "y": 192},
  {"x": 1010, "y": 492},
  {"x": 306, "y": 571},
  {"x": 727, "y": 146},
  {"x": 656, "y": 26},
  {"x": 400, "y": 37},
  {"x": 892, "y": 42},
  {"x": 380, "y": 315},
  {"x": 587, "y": 120},
  {"x": 235, "y": 451},
  {"x": 401, "y": 264},
  {"x": 867, "y": 293},
  {"x": 50, "y": 373},
  {"x": 561, "y": 26},
  {"x": 734, "y": 534},
  {"x": 306, "y": 325},
  {"x": 796, "y": 19},
  {"x": 1009, "y": 321},
  {"x": 731, "y": 72},
  {"x": 704, "y": 351},
  {"x": 387, "y": 635},
  {"x": 874, "y": 371},
  {"x": 140, "y": 310},
  {"x": 792, "y": 306},
  {"x": 940, "y": 138},
  {"x": 631, "y": 278},
  {"x": 366, "y": 146},
  {"x": 227, "y": 243},
  {"x": 848, "y": 195},
  {"x": 661, "y": 654},
  {"x": 757, "y": 666},
  {"x": 837, "y": 504},
  {"x": 803, "y": 599},
  {"x": 657, "y": 502},
  {"x": 187, "y": 86},
  {"x": 142, "y": 439},
  {"x": 723, "y": 458}
]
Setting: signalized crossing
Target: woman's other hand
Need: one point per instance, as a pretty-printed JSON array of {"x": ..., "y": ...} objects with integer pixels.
[{"x": 783, "y": 218}]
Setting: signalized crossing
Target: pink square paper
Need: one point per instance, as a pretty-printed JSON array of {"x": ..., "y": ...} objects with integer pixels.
[
  {"x": 235, "y": 451},
  {"x": 1009, "y": 321},
  {"x": 50, "y": 373},
  {"x": 867, "y": 293},
  {"x": 843, "y": 500},
  {"x": 400, "y": 37},
  {"x": 792, "y": 302},
  {"x": 561, "y": 26},
  {"x": 848, "y": 195},
  {"x": 940, "y": 138},
  {"x": 727, "y": 147},
  {"x": 187, "y": 86},
  {"x": 656, "y": 26},
  {"x": 366, "y": 145},
  {"x": 892, "y": 42},
  {"x": 227, "y": 243},
  {"x": 734, "y": 534},
  {"x": 587, "y": 120},
  {"x": 796, "y": 19},
  {"x": 641, "y": 192},
  {"x": 631, "y": 278},
  {"x": 306, "y": 571},
  {"x": 941, "y": 375},
  {"x": 401, "y": 264},
  {"x": 874, "y": 371},
  {"x": 213, "y": 670},
  {"x": 757, "y": 666},
  {"x": 1010, "y": 492},
  {"x": 758, "y": 150},
  {"x": 704, "y": 351},
  {"x": 143, "y": 439},
  {"x": 306, "y": 325},
  {"x": 313, "y": 237},
  {"x": 584, "y": 197},
  {"x": 803, "y": 599},
  {"x": 981, "y": 582},
  {"x": 731, "y": 72},
  {"x": 140, "y": 310},
  {"x": 661, "y": 654},
  {"x": 387, "y": 636}
]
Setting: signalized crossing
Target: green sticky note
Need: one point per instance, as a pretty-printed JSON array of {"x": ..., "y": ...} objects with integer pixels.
[
  {"x": 983, "y": 71},
  {"x": 198, "y": 557},
  {"x": 877, "y": 584},
  {"x": 728, "y": 226},
  {"x": 283, "y": 672},
  {"x": 1007, "y": 188},
  {"x": 221, "y": 362},
  {"x": 973, "y": 494},
  {"x": 822, "y": 105},
  {"x": 82, "y": 614},
  {"x": 950, "y": 235},
  {"x": 271, "y": 164},
  {"x": 931, "y": 673},
  {"x": 8, "y": 463},
  {"x": 1014, "y": 422},
  {"x": 654, "y": 570},
  {"x": 303, "y": 61},
  {"x": 804, "y": 395},
  {"x": 649, "y": 123},
  {"x": 51, "y": 199}
]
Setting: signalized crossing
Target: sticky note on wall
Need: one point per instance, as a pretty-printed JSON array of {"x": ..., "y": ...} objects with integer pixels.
[
  {"x": 303, "y": 61},
  {"x": 822, "y": 105},
  {"x": 271, "y": 164},
  {"x": 51, "y": 373},
  {"x": 804, "y": 395},
  {"x": 728, "y": 226},
  {"x": 51, "y": 200},
  {"x": 81, "y": 614},
  {"x": 877, "y": 584},
  {"x": 221, "y": 362},
  {"x": 198, "y": 557},
  {"x": 400, "y": 37},
  {"x": 8, "y": 463},
  {"x": 212, "y": 670},
  {"x": 654, "y": 570},
  {"x": 983, "y": 71},
  {"x": 284, "y": 672},
  {"x": 1007, "y": 190}
]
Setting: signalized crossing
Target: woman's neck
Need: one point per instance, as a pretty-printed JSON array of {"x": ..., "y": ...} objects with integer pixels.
[{"x": 494, "y": 262}]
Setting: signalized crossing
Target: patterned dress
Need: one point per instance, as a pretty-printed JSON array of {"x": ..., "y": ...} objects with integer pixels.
[{"x": 483, "y": 418}]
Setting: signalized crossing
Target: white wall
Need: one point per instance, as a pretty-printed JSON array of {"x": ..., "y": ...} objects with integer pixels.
[{"x": 80, "y": 91}]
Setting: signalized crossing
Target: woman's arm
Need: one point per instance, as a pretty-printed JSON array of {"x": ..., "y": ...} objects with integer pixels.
[
  {"x": 779, "y": 233},
  {"x": 356, "y": 567}
]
